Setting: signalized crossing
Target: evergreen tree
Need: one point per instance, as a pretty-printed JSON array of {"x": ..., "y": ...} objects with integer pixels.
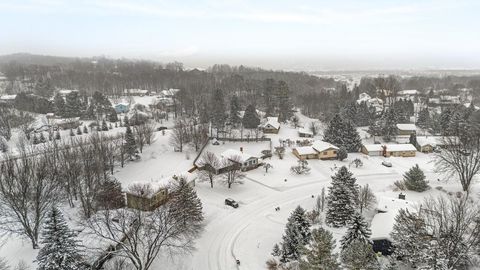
[
  {"x": 276, "y": 251},
  {"x": 60, "y": 250},
  {"x": 389, "y": 125},
  {"x": 104, "y": 125},
  {"x": 445, "y": 116},
  {"x": 79, "y": 131},
  {"x": 57, "y": 135},
  {"x": 342, "y": 134},
  {"x": 424, "y": 120},
  {"x": 44, "y": 88},
  {"x": 342, "y": 153},
  {"x": 359, "y": 255},
  {"x": 364, "y": 116},
  {"x": 130, "y": 144},
  {"x": 72, "y": 104},
  {"x": 59, "y": 103},
  {"x": 413, "y": 140},
  {"x": 234, "y": 111},
  {"x": 357, "y": 230},
  {"x": 250, "y": 117},
  {"x": 85, "y": 129},
  {"x": 125, "y": 121},
  {"x": 318, "y": 254},
  {"x": 42, "y": 138},
  {"x": 414, "y": 179},
  {"x": 350, "y": 112},
  {"x": 187, "y": 206},
  {"x": 285, "y": 110},
  {"x": 110, "y": 195},
  {"x": 35, "y": 139},
  {"x": 341, "y": 198},
  {"x": 218, "y": 109},
  {"x": 204, "y": 115},
  {"x": 269, "y": 87},
  {"x": 71, "y": 133},
  {"x": 112, "y": 115},
  {"x": 297, "y": 234}
]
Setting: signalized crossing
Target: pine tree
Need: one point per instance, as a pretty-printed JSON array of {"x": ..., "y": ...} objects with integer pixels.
[
  {"x": 112, "y": 116},
  {"x": 342, "y": 133},
  {"x": 364, "y": 116},
  {"x": 424, "y": 120},
  {"x": 414, "y": 179},
  {"x": 341, "y": 198},
  {"x": 110, "y": 195},
  {"x": 60, "y": 250},
  {"x": 79, "y": 131},
  {"x": 42, "y": 138},
  {"x": 269, "y": 96},
  {"x": 350, "y": 112},
  {"x": 285, "y": 110},
  {"x": 319, "y": 252},
  {"x": 104, "y": 125},
  {"x": 445, "y": 116},
  {"x": 413, "y": 140},
  {"x": 297, "y": 234},
  {"x": 187, "y": 206},
  {"x": 250, "y": 117},
  {"x": 130, "y": 144},
  {"x": 342, "y": 153},
  {"x": 276, "y": 251},
  {"x": 72, "y": 105},
  {"x": 234, "y": 111},
  {"x": 35, "y": 139},
  {"x": 59, "y": 103},
  {"x": 125, "y": 121},
  {"x": 85, "y": 129},
  {"x": 359, "y": 255},
  {"x": 389, "y": 125},
  {"x": 357, "y": 230},
  {"x": 218, "y": 116}
]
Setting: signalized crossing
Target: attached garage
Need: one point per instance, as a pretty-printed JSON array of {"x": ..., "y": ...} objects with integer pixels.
[
  {"x": 372, "y": 149},
  {"x": 305, "y": 152}
]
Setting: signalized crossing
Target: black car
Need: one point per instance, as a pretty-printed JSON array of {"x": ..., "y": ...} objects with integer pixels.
[{"x": 231, "y": 202}]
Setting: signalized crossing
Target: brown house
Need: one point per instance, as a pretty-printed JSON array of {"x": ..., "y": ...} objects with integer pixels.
[
  {"x": 319, "y": 150},
  {"x": 271, "y": 125},
  {"x": 406, "y": 129}
]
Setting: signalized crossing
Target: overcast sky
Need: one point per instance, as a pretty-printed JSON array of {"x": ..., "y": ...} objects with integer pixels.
[{"x": 300, "y": 34}]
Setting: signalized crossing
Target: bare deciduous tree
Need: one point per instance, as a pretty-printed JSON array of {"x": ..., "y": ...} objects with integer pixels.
[
  {"x": 460, "y": 157},
  {"x": 233, "y": 174},
  {"x": 208, "y": 164},
  {"x": 366, "y": 198}
]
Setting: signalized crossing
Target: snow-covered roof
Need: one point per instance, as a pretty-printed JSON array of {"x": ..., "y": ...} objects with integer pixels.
[
  {"x": 65, "y": 92},
  {"x": 169, "y": 92},
  {"x": 305, "y": 131},
  {"x": 408, "y": 92},
  {"x": 373, "y": 147},
  {"x": 382, "y": 222},
  {"x": 135, "y": 91},
  {"x": 273, "y": 122},
  {"x": 231, "y": 153},
  {"x": 8, "y": 97},
  {"x": 306, "y": 150},
  {"x": 468, "y": 105},
  {"x": 121, "y": 104},
  {"x": 430, "y": 140},
  {"x": 406, "y": 127},
  {"x": 322, "y": 146}
]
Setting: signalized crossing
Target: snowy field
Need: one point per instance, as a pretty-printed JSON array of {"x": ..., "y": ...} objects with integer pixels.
[{"x": 249, "y": 232}]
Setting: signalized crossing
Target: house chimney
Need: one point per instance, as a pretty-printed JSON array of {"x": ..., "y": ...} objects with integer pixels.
[{"x": 241, "y": 149}]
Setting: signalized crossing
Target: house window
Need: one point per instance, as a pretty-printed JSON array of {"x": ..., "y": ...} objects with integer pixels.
[
  {"x": 245, "y": 164},
  {"x": 334, "y": 152}
]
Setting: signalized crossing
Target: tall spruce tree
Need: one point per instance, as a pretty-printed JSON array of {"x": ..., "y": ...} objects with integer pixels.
[
  {"x": 59, "y": 103},
  {"x": 187, "y": 206},
  {"x": 269, "y": 87},
  {"x": 424, "y": 120},
  {"x": 389, "y": 125},
  {"x": 341, "y": 198},
  {"x": 342, "y": 134},
  {"x": 319, "y": 252},
  {"x": 357, "y": 230},
  {"x": 414, "y": 179},
  {"x": 218, "y": 114},
  {"x": 130, "y": 144},
  {"x": 60, "y": 250},
  {"x": 359, "y": 255},
  {"x": 234, "y": 116},
  {"x": 72, "y": 104},
  {"x": 297, "y": 234},
  {"x": 250, "y": 117},
  {"x": 285, "y": 110}
]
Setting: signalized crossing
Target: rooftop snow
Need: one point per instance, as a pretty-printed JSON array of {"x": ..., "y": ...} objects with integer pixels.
[
  {"x": 306, "y": 150},
  {"x": 304, "y": 131},
  {"x": 322, "y": 146},
  {"x": 406, "y": 127},
  {"x": 390, "y": 147},
  {"x": 231, "y": 153},
  {"x": 272, "y": 121},
  {"x": 382, "y": 222}
]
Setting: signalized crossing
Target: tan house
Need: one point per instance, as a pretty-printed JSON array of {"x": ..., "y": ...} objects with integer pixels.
[
  {"x": 271, "y": 125},
  {"x": 318, "y": 150},
  {"x": 305, "y": 133},
  {"x": 245, "y": 161},
  {"x": 145, "y": 197},
  {"x": 389, "y": 150},
  {"x": 305, "y": 152},
  {"x": 406, "y": 129}
]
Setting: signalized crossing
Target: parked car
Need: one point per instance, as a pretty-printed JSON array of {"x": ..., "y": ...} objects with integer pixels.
[
  {"x": 161, "y": 128},
  {"x": 386, "y": 164},
  {"x": 231, "y": 202}
]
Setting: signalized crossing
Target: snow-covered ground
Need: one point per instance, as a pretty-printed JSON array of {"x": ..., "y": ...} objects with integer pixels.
[{"x": 249, "y": 232}]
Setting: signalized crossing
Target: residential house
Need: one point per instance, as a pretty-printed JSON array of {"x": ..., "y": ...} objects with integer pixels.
[
  {"x": 121, "y": 107},
  {"x": 389, "y": 150},
  {"x": 245, "y": 161},
  {"x": 383, "y": 222},
  {"x": 318, "y": 150},
  {"x": 376, "y": 103},
  {"x": 146, "y": 196},
  {"x": 135, "y": 92},
  {"x": 305, "y": 133},
  {"x": 305, "y": 152},
  {"x": 271, "y": 125},
  {"x": 8, "y": 99},
  {"x": 406, "y": 129}
]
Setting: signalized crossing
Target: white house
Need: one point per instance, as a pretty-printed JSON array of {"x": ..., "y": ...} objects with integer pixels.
[
  {"x": 406, "y": 129},
  {"x": 305, "y": 133},
  {"x": 246, "y": 161},
  {"x": 389, "y": 150}
]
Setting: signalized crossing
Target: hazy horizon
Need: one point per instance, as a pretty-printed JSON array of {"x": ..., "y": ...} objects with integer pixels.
[{"x": 300, "y": 35}]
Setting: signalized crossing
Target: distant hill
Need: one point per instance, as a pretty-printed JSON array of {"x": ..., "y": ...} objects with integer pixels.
[{"x": 36, "y": 59}]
